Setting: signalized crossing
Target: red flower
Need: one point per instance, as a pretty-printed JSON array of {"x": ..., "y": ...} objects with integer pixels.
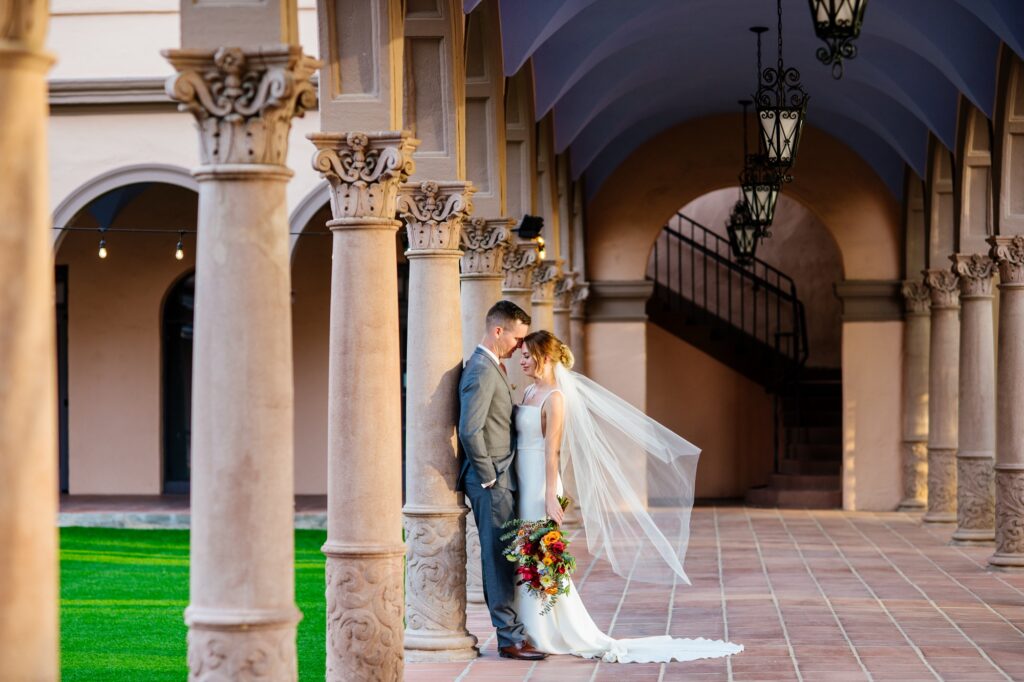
[
  {"x": 561, "y": 569},
  {"x": 557, "y": 547}
]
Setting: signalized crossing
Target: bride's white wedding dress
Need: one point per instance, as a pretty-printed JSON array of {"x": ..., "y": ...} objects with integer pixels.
[{"x": 568, "y": 628}]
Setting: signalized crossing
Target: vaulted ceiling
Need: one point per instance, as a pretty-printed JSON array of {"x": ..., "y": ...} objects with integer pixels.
[{"x": 617, "y": 72}]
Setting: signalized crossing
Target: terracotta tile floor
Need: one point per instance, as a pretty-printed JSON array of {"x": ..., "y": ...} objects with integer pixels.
[{"x": 813, "y": 595}]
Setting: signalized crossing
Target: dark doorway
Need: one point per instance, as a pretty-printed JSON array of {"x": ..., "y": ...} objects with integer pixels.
[
  {"x": 62, "y": 373},
  {"x": 179, "y": 309}
]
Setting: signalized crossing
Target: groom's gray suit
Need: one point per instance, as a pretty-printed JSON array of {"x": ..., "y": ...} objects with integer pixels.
[{"x": 487, "y": 435}]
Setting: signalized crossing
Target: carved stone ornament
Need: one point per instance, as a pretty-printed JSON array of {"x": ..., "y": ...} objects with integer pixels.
[
  {"x": 1010, "y": 516},
  {"x": 564, "y": 291},
  {"x": 944, "y": 289},
  {"x": 364, "y": 170},
  {"x": 545, "y": 278},
  {"x": 364, "y": 618},
  {"x": 242, "y": 654},
  {"x": 23, "y": 22},
  {"x": 434, "y": 212},
  {"x": 484, "y": 243},
  {"x": 520, "y": 262},
  {"x": 243, "y": 101},
  {"x": 975, "y": 272},
  {"x": 941, "y": 484},
  {"x": 975, "y": 497},
  {"x": 915, "y": 473},
  {"x": 1009, "y": 253},
  {"x": 474, "y": 569},
  {"x": 916, "y": 296},
  {"x": 580, "y": 294}
]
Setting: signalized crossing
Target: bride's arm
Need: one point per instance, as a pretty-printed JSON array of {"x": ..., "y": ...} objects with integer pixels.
[{"x": 554, "y": 418}]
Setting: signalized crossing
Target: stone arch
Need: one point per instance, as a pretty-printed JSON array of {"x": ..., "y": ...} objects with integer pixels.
[
  {"x": 77, "y": 200},
  {"x": 304, "y": 212},
  {"x": 1007, "y": 147},
  {"x": 831, "y": 180}
]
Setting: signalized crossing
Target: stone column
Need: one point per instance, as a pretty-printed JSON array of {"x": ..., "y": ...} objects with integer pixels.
[
  {"x": 435, "y": 528},
  {"x": 520, "y": 262},
  {"x": 915, "y": 396},
  {"x": 1009, "y": 253},
  {"x": 943, "y": 360},
  {"x": 976, "y": 438},
  {"x": 242, "y": 602},
  {"x": 364, "y": 442},
  {"x": 578, "y": 324},
  {"x": 483, "y": 242},
  {"x": 28, "y": 396},
  {"x": 563, "y": 308},
  {"x": 546, "y": 277}
]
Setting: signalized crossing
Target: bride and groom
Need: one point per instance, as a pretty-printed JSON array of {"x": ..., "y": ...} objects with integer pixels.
[{"x": 611, "y": 456}]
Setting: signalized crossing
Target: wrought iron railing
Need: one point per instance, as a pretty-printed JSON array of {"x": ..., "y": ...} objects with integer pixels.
[{"x": 695, "y": 275}]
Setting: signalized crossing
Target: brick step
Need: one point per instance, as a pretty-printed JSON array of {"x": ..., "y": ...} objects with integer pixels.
[
  {"x": 815, "y": 451},
  {"x": 825, "y": 435},
  {"x": 805, "y": 481},
  {"x": 794, "y": 499},
  {"x": 810, "y": 468}
]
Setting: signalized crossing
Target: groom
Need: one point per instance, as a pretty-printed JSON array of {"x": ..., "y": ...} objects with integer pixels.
[{"x": 487, "y": 434}]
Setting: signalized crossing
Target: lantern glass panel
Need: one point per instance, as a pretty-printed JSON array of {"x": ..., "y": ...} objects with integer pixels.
[{"x": 780, "y": 130}]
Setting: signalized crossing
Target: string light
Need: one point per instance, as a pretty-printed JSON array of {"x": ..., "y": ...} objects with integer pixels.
[
  {"x": 542, "y": 254},
  {"x": 179, "y": 251},
  {"x": 102, "y": 253}
]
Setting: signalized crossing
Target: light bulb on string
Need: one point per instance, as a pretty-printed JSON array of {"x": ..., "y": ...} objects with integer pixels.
[
  {"x": 102, "y": 253},
  {"x": 542, "y": 253},
  {"x": 179, "y": 250}
]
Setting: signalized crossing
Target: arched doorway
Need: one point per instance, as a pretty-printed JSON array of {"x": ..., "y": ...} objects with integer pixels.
[{"x": 178, "y": 316}]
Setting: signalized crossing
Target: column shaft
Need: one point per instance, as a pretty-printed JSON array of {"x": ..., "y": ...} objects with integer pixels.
[
  {"x": 28, "y": 397},
  {"x": 242, "y": 592},
  {"x": 1009, "y": 253},
  {"x": 915, "y": 396},
  {"x": 976, "y": 439},
  {"x": 943, "y": 362},
  {"x": 434, "y": 513}
]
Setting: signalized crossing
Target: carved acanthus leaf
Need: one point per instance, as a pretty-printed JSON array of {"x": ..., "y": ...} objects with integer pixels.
[
  {"x": 1009, "y": 253},
  {"x": 975, "y": 272},
  {"x": 916, "y": 296},
  {"x": 484, "y": 243},
  {"x": 519, "y": 264},
  {"x": 364, "y": 170},
  {"x": 545, "y": 279},
  {"x": 943, "y": 287},
  {"x": 434, "y": 212}
]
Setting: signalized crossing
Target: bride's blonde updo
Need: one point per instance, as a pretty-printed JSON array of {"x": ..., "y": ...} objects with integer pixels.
[{"x": 544, "y": 344}]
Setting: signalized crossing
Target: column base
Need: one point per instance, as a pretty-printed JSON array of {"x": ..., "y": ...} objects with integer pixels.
[
  {"x": 439, "y": 648},
  {"x": 973, "y": 536},
  {"x": 939, "y": 517},
  {"x": 1006, "y": 562},
  {"x": 912, "y": 505},
  {"x": 223, "y": 643}
]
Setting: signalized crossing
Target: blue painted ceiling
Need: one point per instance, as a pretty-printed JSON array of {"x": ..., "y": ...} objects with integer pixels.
[{"x": 618, "y": 72}]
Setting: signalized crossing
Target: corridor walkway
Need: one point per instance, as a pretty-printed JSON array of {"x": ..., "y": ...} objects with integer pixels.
[{"x": 813, "y": 595}]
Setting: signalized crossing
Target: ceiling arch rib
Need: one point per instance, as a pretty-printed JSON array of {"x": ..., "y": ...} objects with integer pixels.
[
  {"x": 1003, "y": 17},
  {"x": 526, "y": 24}
]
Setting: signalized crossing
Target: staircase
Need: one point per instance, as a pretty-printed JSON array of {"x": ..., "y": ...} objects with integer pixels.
[{"x": 750, "y": 319}]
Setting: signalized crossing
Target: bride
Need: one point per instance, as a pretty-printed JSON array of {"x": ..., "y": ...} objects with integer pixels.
[{"x": 615, "y": 460}]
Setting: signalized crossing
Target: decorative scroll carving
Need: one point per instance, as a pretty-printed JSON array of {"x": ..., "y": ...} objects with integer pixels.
[
  {"x": 941, "y": 484},
  {"x": 975, "y": 272},
  {"x": 545, "y": 279},
  {"x": 24, "y": 21},
  {"x": 258, "y": 653},
  {"x": 943, "y": 287},
  {"x": 975, "y": 497},
  {"x": 915, "y": 473},
  {"x": 364, "y": 170},
  {"x": 564, "y": 291},
  {"x": 520, "y": 262},
  {"x": 916, "y": 296},
  {"x": 1010, "y": 514},
  {"x": 1009, "y": 253},
  {"x": 434, "y": 212},
  {"x": 364, "y": 617},
  {"x": 474, "y": 570},
  {"x": 435, "y": 565},
  {"x": 484, "y": 243},
  {"x": 580, "y": 294},
  {"x": 243, "y": 101}
]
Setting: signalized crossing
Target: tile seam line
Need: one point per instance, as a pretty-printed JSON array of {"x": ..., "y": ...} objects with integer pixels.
[
  {"x": 618, "y": 609},
  {"x": 771, "y": 592},
  {"x": 931, "y": 601},
  {"x": 828, "y": 601},
  {"x": 721, "y": 590},
  {"x": 885, "y": 609},
  {"x": 984, "y": 567}
]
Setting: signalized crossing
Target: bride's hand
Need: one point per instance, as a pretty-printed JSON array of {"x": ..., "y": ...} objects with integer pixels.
[{"x": 554, "y": 509}]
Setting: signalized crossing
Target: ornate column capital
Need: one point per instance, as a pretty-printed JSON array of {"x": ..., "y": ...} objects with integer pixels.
[
  {"x": 916, "y": 297},
  {"x": 23, "y": 32},
  {"x": 364, "y": 170},
  {"x": 484, "y": 242},
  {"x": 546, "y": 277},
  {"x": 243, "y": 100},
  {"x": 433, "y": 213},
  {"x": 564, "y": 290},
  {"x": 520, "y": 261},
  {"x": 975, "y": 272},
  {"x": 943, "y": 287},
  {"x": 1008, "y": 251},
  {"x": 580, "y": 294}
]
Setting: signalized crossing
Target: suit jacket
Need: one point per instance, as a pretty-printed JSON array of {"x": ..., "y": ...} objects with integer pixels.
[{"x": 486, "y": 422}]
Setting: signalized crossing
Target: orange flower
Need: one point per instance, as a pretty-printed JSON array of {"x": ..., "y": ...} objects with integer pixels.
[
  {"x": 548, "y": 560},
  {"x": 552, "y": 590},
  {"x": 553, "y": 536}
]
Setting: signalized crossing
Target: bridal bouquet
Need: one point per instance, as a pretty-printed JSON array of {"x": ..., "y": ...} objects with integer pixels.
[{"x": 539, "y": 549}]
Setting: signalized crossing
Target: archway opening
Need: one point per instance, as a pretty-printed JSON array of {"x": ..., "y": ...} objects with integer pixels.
[{"x": 178, "y": 318}]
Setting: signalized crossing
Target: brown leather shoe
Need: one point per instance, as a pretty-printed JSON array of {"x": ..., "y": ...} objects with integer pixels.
[{"x": 521, "y": 651}]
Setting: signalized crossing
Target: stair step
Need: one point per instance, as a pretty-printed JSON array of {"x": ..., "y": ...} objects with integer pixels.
[
  {"x": 804, "y": 482},
  {"x": 794, "y": 499},
  {"x": 810, "y": 468},
  {"x": 814, "y": 434},
  {"x": 815, "y": 451}
]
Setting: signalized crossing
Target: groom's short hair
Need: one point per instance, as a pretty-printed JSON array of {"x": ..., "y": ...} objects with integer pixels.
[{"x": 504, "y": 313}]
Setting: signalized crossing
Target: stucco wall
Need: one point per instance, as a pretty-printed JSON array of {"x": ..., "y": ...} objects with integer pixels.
[{"x": 725, "y": 414}]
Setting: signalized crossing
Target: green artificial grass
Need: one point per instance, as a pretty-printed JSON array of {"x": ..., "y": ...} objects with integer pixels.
[{"x": 123, "y": 593}]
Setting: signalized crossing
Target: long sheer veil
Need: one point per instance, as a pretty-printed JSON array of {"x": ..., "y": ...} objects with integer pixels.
[{"x": 632, "y": 478}]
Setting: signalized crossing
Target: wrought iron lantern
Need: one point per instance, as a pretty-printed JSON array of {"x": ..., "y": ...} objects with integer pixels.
[
  {"x": 759, "y": 184},
  {"x": 837, "y": 22},
  {"x": 781, "y": 103},
  {"x": 744, "y": 234}
]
